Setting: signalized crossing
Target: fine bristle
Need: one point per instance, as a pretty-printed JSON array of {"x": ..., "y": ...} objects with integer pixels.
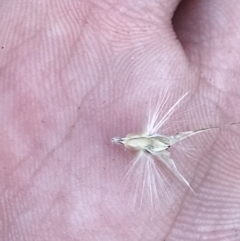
[
  {"x": 155, "y": 123},
  {"x": 146, "y": 184}
]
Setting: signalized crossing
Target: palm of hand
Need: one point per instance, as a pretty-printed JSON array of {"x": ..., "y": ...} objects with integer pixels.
[{"x": 77, "y": 87}]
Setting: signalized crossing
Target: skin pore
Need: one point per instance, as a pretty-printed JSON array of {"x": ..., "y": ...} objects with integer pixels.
[{"x": 74, "y": 74}]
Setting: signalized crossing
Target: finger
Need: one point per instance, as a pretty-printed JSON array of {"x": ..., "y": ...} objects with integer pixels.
[{"x": 209, "y": 28}]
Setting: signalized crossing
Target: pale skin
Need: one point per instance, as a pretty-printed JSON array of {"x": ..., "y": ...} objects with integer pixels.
[{"x": 74, "y": 74}]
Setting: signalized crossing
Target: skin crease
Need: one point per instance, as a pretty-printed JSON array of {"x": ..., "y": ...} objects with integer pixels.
[{"x": 74, "y": 74}]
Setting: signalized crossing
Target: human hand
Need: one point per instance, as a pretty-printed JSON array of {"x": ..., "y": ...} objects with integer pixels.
[{"x": 74, "y": 75}]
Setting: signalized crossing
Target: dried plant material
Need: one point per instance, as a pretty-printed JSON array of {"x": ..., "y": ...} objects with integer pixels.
[{"x": 147, "y": 171}]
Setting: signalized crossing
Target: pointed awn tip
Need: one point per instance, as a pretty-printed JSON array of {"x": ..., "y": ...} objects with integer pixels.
[{"x": 117, "y": 140}]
